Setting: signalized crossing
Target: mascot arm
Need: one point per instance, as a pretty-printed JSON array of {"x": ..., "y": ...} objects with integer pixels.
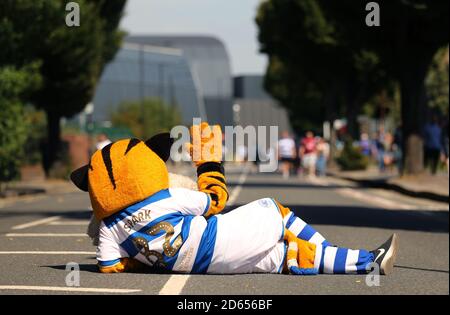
[
  {"x": 206, "y": 152},
  {"x": 122, "y": 265},
  {"x": 211, "y": 180}
]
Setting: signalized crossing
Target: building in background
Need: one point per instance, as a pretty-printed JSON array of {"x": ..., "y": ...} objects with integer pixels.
[
  {"x": 210, "y": 68},
  {"x": 253, "y": 106},
  {"x": 144, "y": 71},
  {"x": 192, "y": 73}
]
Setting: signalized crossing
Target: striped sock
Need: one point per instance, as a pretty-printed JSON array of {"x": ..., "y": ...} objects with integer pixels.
[
  {"x": 337, "y": 260},
  {"x": 329, "y": 259},
  {"x": 303, "y": 230}
]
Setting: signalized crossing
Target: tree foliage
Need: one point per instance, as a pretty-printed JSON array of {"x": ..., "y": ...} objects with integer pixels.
[
  {"x": 325, "y": 61},
  {"x": 437, "y": 83},
  {"x": 313, "y": 70},
  {"x": 146, "y": 118},
  {"x": 15, "y": 85},
  {"x": 72, "y": 58}
]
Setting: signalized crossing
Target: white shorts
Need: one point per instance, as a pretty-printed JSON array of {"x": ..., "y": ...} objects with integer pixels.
[
  {"x": 249, "y": 240},
  {"x": 309, "y": 160}
]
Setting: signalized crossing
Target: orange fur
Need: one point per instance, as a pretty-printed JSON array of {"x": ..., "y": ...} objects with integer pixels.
[{"x": 138, "y": 174}]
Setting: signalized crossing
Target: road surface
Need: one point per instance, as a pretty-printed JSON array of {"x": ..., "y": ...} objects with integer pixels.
[{"x": 40, "y": 235}]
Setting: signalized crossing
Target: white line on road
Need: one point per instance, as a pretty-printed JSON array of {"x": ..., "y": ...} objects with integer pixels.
[
  {"x": 46, "y": 235},
  {"x": 176, "y": 283},
  {"x": 372, "y": 199},
  {"x": 46, "y": 253},
  {"x": 237, "y": 190},
  {"x": 68, "y": 289},
  {"x": 80, "y": 222},
  {"x": 375, "y": 200},
  {"x": 35, "y": 223}
]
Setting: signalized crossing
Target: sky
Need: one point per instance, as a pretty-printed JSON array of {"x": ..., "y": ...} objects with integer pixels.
[{"x": 232, "y": 21}]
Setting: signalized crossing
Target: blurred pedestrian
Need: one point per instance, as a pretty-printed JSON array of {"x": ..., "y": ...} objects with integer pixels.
[
  {"x": 308, "y": 153},
  {"x": 102, "y": 141},
  {"x": 379, "y": 150},
  {"x": 397, "y": 148},
  {"x": 389, "y": 155},
  {"x": 286, "y": 153},
  {"x": 432, "y": 144},
  {"x": 323, "y": 153},
  {"x": 365, "y": 144},
  {"x": 445, "y": 142}
]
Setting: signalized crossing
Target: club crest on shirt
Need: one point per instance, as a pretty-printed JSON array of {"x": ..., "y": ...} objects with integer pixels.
[{"x": 264, "y": 203}]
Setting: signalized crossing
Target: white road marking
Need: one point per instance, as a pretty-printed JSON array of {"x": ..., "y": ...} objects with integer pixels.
[
  {"x": 80, "y": 222},
  {"x": 176, "y": 283},
  {"x": 237, "y": 190},
  {"x": 67, "y": 289},
  {"x": 46, "y": 235},
  {"x": 372, "y": 199},
  {"x": 35, "y": 223},
  {"x": 26, "y": 199},
  {"x": 46, "y": 253},
  {"x": 317, "y": 181}
]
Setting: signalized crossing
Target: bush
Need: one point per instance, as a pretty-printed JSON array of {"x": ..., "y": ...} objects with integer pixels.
[
  {"x": 13, "y": 123},
  {"x": 351, "y": 158},
  {"x": 146, "y": 118},
  {"x": 36, "y": 133}
]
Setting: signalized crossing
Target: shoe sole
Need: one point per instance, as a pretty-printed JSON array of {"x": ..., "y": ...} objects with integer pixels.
[{"x": 387, "y": 265}]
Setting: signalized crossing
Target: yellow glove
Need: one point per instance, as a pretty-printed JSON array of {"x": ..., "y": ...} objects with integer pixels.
[
  {"x": 206, "y": 152},
  {"x": 206, "y": 144},
  {"x": 123, "y": 265},
  {"x": 300, "y": 255}
]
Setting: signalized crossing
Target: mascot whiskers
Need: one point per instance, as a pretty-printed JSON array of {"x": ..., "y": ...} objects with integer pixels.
[{"x": 146, "y": 218}]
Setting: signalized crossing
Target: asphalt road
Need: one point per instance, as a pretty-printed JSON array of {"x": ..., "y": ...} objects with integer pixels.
[{"x": 40, "y": 235}]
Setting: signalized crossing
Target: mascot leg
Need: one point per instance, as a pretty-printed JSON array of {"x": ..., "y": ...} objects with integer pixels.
[{"x": 310, "y": 253}]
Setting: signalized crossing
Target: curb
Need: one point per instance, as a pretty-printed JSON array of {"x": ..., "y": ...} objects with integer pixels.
[
  {"x": 383, "y": 184},
  {"x": 19, "y": 192}
]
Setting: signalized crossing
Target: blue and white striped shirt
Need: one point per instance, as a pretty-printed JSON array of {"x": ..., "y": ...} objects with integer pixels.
[{"x": 167, "y": 230}]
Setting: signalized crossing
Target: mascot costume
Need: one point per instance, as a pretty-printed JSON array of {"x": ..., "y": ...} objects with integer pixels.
[{"x": 143, "y": 221}]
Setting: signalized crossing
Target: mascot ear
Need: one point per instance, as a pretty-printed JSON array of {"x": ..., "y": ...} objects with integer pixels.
[
  {"x": 161, "y": 144},
  {"x": 80, "y": 177}
]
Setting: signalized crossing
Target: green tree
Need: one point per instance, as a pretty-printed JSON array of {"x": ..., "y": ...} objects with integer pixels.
[
  {"x": 146, "y": 118},
  {"x": 410, "y": 34},
  {"x": 15, "y": 84},
  {"x": 313, "y": 70},
  {"x": 321, "y": 42},
  {"x": 437, "y": 82},
  {"x": 72, "y": 57}
]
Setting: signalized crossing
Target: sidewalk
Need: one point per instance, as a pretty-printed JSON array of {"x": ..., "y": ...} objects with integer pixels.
[
  {"x": 422, "y": 186},
  {"x": 35, "y": 187}
]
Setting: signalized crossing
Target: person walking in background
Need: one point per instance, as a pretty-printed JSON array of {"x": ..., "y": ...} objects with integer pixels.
[
  {"x": 445, "y": 141},
  {"x": 323, "y": 152},
  {"x": 389, "y": 156},
  {"x": 379, "y": 150},
  {"x": 308, "y": 154},
  {"x": 397, "y": 148},
  {"x": 365, "y": 144},
  {"x": 286, "y": 153},
  {"x": 432, "y": 144}
]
